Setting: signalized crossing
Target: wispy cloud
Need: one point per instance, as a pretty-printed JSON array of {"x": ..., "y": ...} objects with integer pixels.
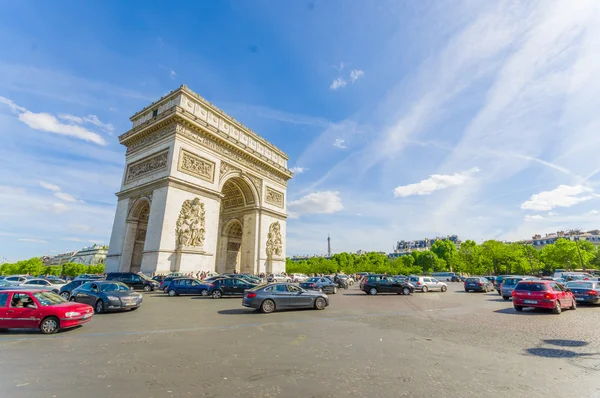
[
  {"x": 49, "y": 123},
  {"x": 561, "y": 196},
  {"x": 91, "y": 119},
  {"x": 356, "y": 74},
  {"x": 172, "y": 74},
  {"x": 298, "y": 169},
  {"x": 339, "y": 143},
  {"x": 535, "y": 217},
  {"x": 434, "y": 183},
  {"x": 32, "y": 240},
  {"x": 50, "y": 187},
  {"x": 592, "y": 212},
  {"x": 58, "y": 193},
  {"x": 325, "y": 202},
  {"x": 338, "y": 83}
]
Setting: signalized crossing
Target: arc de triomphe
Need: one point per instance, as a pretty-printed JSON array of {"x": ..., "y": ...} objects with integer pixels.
[{"x": 200, "y": 192}]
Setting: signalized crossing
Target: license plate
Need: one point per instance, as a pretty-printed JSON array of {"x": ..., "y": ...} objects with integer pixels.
[
  {"x": 530, "y": 301},
  {"x": 471, "y": 284},
  {"x": 579, "y": 298}
]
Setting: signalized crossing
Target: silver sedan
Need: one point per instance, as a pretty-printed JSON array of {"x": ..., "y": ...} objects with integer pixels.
[{"x": 279, "y": 296}]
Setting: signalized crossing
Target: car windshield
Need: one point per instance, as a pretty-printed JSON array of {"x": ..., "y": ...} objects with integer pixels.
[
  {"x": 144, "y": 277},
  {"x": 512, "y": 281},
  {"x": 48, "y": 298},
  {"x": 532, "y": 287},
  {"x": 313, "y": 279},
  {"x": 111, "y": 287},
  {"x": 580, "y": 285},
  {"x": 472, "y": 280}
]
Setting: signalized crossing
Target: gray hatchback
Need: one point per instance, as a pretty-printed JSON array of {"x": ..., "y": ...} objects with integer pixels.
[{"x": 279, "y": 296}]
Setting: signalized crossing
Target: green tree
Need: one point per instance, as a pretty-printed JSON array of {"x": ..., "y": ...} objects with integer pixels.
[{"x": 446, "y": 250}]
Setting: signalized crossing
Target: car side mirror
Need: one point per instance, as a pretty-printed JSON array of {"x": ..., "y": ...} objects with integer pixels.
[{"x": 95, "y": 290}]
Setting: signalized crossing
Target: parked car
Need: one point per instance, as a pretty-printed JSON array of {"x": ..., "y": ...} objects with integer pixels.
[
  {"x": 16, "y": 279},
  {"x": 508, "y": 286},
  {"x": 43, "y": 310},
  {"x": 164, "y": 283},
  {"x": 187, "y": 285},
  {"x": 54, "y": 285},
  {"x": 478, "y": 284},
  {"x": 348, "y": 279},
  {"x": 107, "y": 296},
  {"x": 88, "y": 277},
  {"x": 457, "y": 278},
  {"x": 542, "y": 294},
  {"x": 136, "y": 281},
  {"x": 298, "y": 278},
  {"x": 377, "y": 283},
  {"x": 426, "y": 283},
  {"x": 65, "y": 291},
  {"x": 279, "y": 296},
  {"x": 498, "y": 282},
  {"x": 585, "y": 291},
  {"x": 229, "y": 287},
  {"x": 279, "y": 278},
  {"x": 319, "y": 283}
]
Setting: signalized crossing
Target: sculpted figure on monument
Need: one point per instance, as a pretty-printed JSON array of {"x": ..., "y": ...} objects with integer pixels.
[
  {"x": 190, "y": 227},
  {"x": 274, "y": 241}
]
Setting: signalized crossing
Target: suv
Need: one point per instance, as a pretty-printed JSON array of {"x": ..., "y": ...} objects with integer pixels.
[
  {"x": 427, "y": 283},
  {"x": 133, "y": 280},
  {"x": 374, "y": 284}
]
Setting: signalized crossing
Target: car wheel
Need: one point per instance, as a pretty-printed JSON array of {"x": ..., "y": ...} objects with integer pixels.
[
  {"x": 166, "y": 289},
  {"x": 518, "y": 308},
  {"x": 172, "y": 293},
  {"x": 72, "y": 298},
  {"x": 267, "y": 306},
  {"x": 216, "y": 294},
  {"x": 574, "y": 306},
  {"x": 204, "y": 292},
  {"x": 505, "y": 297},
  {"x": 425, "y": 289},
  {"x": 49, "y": 325},
  {"x": 557, "y": 308},
  {"x": 406, "y": 291},
  {"x": 320, "y": 303},
  {"x": 65, "y": 295},
  {"x": 373, "y": 291},
  {"x": 99, "y": 307},
  {"x": 147, "y": 288},
  {"x": 335, "y": 289},
  {"x": 444, "y": 288}
]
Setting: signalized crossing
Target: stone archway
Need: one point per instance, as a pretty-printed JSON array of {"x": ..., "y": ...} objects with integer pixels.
[
  {"x": 238, "y": 210},
  {"x": 138, "y": 221}
]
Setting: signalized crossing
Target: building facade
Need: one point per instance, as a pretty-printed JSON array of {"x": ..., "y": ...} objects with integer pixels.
[{"x": 200, "y": 192}]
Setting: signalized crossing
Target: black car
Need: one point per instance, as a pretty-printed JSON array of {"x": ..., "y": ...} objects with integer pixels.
[
  {"x": 374, "y": 284},
  {"x": 478, "y": 284},
  {"x": 65, "y": 291},
  {"x": 107, "y": 296},
  {"x": 229, "y": 287},
  {"x": 136, "y": 281},
  {"x": 320, "y": 283}
]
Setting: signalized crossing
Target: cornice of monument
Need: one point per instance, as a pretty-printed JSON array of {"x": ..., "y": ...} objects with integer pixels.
[{"x": 188, "y": 101}]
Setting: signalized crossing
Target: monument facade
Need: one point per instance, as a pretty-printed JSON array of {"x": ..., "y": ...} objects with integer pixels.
[{"x": 200, "y": 192}]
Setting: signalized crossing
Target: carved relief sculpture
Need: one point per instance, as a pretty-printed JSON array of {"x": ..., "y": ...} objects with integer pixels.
[
  {"x": 225, "y": 168},
  {"x": 191, "y": 224},
  {"x": 274, "y": 241},
  {"x": 196, "y": 166},
  {"x": 147, "y": 166},
  {"x": 274, "y": 197}
]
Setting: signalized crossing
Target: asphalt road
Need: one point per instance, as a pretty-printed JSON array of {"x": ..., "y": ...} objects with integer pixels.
[{"x": 451, "y": 344}]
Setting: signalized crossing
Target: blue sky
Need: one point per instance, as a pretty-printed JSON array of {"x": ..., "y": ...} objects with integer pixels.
[{"x": 402, "y": 120}]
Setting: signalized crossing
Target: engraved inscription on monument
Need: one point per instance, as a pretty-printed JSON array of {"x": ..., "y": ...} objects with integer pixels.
[
  {"x": 147, "y": 166},
  {"x": 274, "y": 197},
  {"x": 196, "y": 166}
]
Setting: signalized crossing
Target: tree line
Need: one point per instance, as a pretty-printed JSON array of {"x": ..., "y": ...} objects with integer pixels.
[
  {"x": 492, "y": 257},
  {"x": 34, "y": 266}
]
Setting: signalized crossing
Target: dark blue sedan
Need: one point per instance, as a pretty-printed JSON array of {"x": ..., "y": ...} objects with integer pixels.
[{"x": 180, "y": 286}]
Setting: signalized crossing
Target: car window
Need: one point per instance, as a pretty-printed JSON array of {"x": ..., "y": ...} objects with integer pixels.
[
  {"x": 580, "y": 285},
  {"x": 3, "y": 299},
  {"x": 239, "y": 282},
  {"x": 434, "y": 280},
  {"x": 280, "y": 288},
  {"x": 108, "y": 287},
  {"x": 557, "y": 287},
  {"x": 426, "y": 280},
  {"x": 127, "y": 278},
  {"x": 48, "y": 298},
  {"x": 228, "y": 282},
  {"x": 532, "y": 287},
  {"x": 136, "y": 278},
  {"x": 93, "y": 286},
  {"x": 86, "y": 286},
  {"x": 195, "y": 283},
  {"x": 179, "y": 282},
  {"x": 23, "y": 300},
  {"x": 294, "y": 289}
]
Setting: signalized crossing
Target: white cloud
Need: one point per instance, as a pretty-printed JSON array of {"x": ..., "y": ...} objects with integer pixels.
[
  {"x": 592, "y": 212},
  {"x": 91, "y": 119},
  {"x": 356, "y": 74},
  {"x": 535, "y": 217},
  {"x": 59, "y": 208},
  {"x": 435, "y": 183},
  {"x": 75, "y": 239},
  {"x": 65, "y": 196},
  {"x": 338, "y": 83},
  {"x": 324, "y": 202},
  {"x": 339, "y": 68},
  {"x": 50, "y": 187},
  {"x": 32, "y": 240},
  {"x": 49, "y": 123},
  {"x": 561, "y": 196},
  {"x": 173, "y": 74},
  {"x": 552, "y": 213},
  {"x": 298, "y": 170},
  {"x": 339, "y": 143}
]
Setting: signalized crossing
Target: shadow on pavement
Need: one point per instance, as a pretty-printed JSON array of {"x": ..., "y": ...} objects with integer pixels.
[
  {"x": 526, "y": 311},
  {"x": 557, "y": 353},
  {"x": 566, "y": 343},
  {"x": 237, "y": 311},
  {"x": 10, "y": 332},
  {"x": 500, "y": 300}
]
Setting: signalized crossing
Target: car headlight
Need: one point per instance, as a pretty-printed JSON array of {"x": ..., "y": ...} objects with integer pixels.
[
  {"x": 112, "y": 298},
  {"x": 72, "y": 314}
]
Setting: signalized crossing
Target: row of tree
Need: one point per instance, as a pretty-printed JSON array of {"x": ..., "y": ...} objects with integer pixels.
[
  {"x": 34, "y": 266},
  {"x": 489, "y": 258}
]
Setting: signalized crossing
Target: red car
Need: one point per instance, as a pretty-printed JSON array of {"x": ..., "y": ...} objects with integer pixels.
[
  {"x": 39, "y": 309},
  {"x": 543, "y": 294}
]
